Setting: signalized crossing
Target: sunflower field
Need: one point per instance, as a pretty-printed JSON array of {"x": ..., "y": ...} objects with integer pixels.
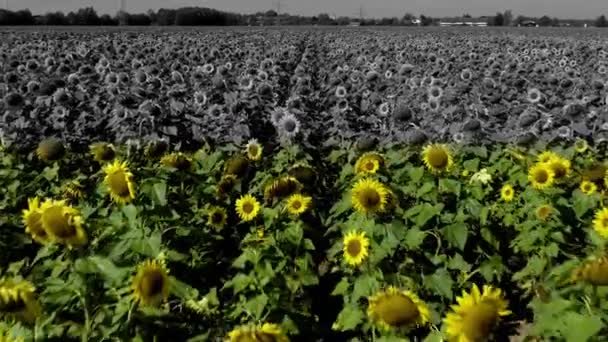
[{"x": 259, "y": 185}]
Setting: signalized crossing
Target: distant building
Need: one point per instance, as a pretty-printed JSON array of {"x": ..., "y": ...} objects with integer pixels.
[
  {"x": 529, "y": 23},
  {"x": 462, "y": 21},
  {"x": 416, "y": 21},
  {"x": 354, "y": 23}
]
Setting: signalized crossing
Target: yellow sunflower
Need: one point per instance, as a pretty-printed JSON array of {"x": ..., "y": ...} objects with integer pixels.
[
  {"x": 176, "y": 160},
  {"x": 119, "y": 181},
  {"x": 355, "y": 248},
  {"x": 546, "y": 157},
  {"x": 257, "y": 333},
  {"x": 62, "y": 223},
  {"x": 253, "y": 149},
  {"x": 581, "y": 146},
  {"x": 216, "y": 217},
  {"x": 437, "y": 158},
  {"x": 594, "y": 272},
  {"x": 102, "y": 152},
  {"x": 247, "y": 207},
  {"x": 476, "y": 315},
  {"x": 18, "y": 300},
  {"x": 297, "y": 204},
  {"x": 543, "y": 212},
  {"x": 369, "y": 196},
  {"x": 369, "y": 163},
  {"x": 50, "y": 149},
  {"x": 541, "y": 176},
  {"x": 32, "y": 220},
  {"x": 588, "y": 187},
  {"x": 507, "y": 193},
  {"x": 394, "y": 308},
  {"x": 560, "y": 167},
  {"x": 150, "y": 285},
  {"x": 600, "y": 222}
]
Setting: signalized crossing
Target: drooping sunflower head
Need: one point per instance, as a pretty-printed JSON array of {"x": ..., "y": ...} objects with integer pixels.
[
  {"x": 394, "y": 309},
  {"x": 581, "y": 145},
  {"x": 50, "y": 149},
  {"x": 297, "y": 204},
  {"x": 236, "y": 166},
  {"x": 281, "y": 187},
  {"x": 151, "y": 283},
  {"x": 226, "y": 184},
  {"x": 254, "y": 150},
  {"x": 119, "y": 181},
  {"x": 541, "y": 176},
  {"x": 437, "y": 158},
  {"x": 600, "y": 222},
  {"x": 176, "y": 160},
  {"x": 560, "y": 167},
  {"x": 18, "y": 300},
  {"x": 369, "y": 163},
  {"x": 267, "y": 332},
  {"x": 369, "y": 196},
  {"x": 102, "y": 152},
  {"x": 476, "y": 314},
  {"x": 588, "y": 187},
  {"x": 507, "y": 193},
  {"x": 247, "y": 207},
  {"x": 543, "y": 212},
  {"x": 304, "y": 174},
  {"x": 216, "y": 217},
  {"x": 355, "y": 246},
  {"x": 155, "y": 149},
  {"x": 62, "y": 223},
  {"x": 32, "y": 220},
  {"x": 594, "y": 272}
]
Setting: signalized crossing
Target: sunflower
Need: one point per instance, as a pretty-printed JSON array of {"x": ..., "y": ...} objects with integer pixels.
[
  {"x": 102, "y": 152},
  {"x": 247, "y": 207},
  {"x": 476, "y": 314},
  {"x": 303, "y": 173},
  {"x": 176, "y": 160},
  {"x": 257, "y": 333},
  {"x": 216, "y": 217},
  {"x": 73, "y": 190},
  {"x": 394, "y": 308},
  {"x": 594, "y": 272},
  {"x": 119, "y": 181},
  {"x": 507, "y": 193},
  {"x": 226, "y": 184},
  {"x": 297, "y": 204},
  {"x": 546, "y": 156},
  {"x": 581, "y": 145},
  {"x": 253, "y": 149},
  {"x": 62, "y": 223},
  {"x": 437, "y": 158},
  {"x": 369, "y": 163},
  {"x": 32, "y": 220},
  {"x": 151, "y": 283},
  {"x": 588, "y": 187},
  {"x": 355, "y": 248},
  {"x": 18, "y": 300},
  {"x": 369, "y": 196},
  {"x": 541, "y": 176},
  {"x": 543, "y": 212},
  {"x": 282, "y": 187},
  {"x": 560, "y": 167},
  {"x": 236, "y": 166},
  {"x": 50, "y": 149},
  {"x": 600, "y": 222},
  {"x": 155, "y": 149}
]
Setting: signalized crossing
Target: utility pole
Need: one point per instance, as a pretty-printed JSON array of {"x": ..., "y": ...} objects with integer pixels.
[
  {"x": 6, "y": 5},
  {"x": 278, "y": 5}
]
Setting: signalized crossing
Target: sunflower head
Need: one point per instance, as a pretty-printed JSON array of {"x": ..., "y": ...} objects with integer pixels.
[
  {"x": 297, "y": 204},
  {"x": 62, "y": 223},
  {"x": 247, "y": 207},
  {"x": 547, "y": 156},
  {"x": 394, "y": 308},
  {"x": 594, "y": 272},
  {"x": 73, "y": 190},
  {"x": 237, "y": 166},
  {"x": 216, "y": 217},
  {"x": 253, "y": 149},
  {"x": 304, "y": 174},
  {"x": 18, "y": 300},
  {"x": 102, "y": 152},
  {"x": 150, "y": 285},
  {"x": 541, "y": 176},
  {"x": 543, "y": 212},
  {"x": 600, "y": 222},
  {"x": 226, "y": 184},
  {"x": 595, "y": 173},
  {"x": 50, "y": 149},
  {"x": 507, "y": 193},
  {"x": 355, "y": 246},
  {"x": 266, "y": 332},
  {"x": 369, "y": 163},
  {"x": 476, "y": 314},
  {"x": 176, "y": 160},
  {"x": 560, "y": 167},
  {"x": 32, "y": 220},
  {"x": 437, "y": 158},
  {"x": 581, "y": 145},
  {"x": 588, "y": 187},
  {"x": 369, "y": 196},
  {"x": 281, "y": 187},
  {"x": 119, "y": 181},
  {"x": 155, "y": 149}
]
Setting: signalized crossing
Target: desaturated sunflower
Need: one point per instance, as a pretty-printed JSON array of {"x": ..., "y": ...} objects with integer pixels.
[
  {"x": 282, "y": 187},
  {"x": 369, "y": 163},
  {"x": 394, "y": 308},
  {"x": 119, "y": 181},
  {"x": 543, "y": 212},
  {"x": 102, "y": 152},
  {"x": 247, "y": 207},
  {"x": 216, "y": 217},
  {"x": 267, "y": 332},
  {"x": 176, "y": 160},
  {"x": 588, "y": 187},
  {"x": 437, "y": 158},
  {"x": 50, "y": 149},
  {"x": 369, "y": 196},
  {"x": 594, "y": 272},
  {"x": 600, "y": 222},
  {"x": 32, "y": 220},
  {"x": 476, "y": 315},
  {"x": 355, "y": 247},
  {"x": 62, "y": 223},
  {"x": 18, "y": 300},
  {"x": 297, "y": 204},
  {"x": 507, "y": 193},
  {"x": 150, "y": 285},
  {"x": 541, "y": 176},
  {"x": 253, "y": 149}
]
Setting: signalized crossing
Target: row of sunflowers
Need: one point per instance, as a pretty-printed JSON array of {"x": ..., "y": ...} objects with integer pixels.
[{"x": 274, "y": 243}]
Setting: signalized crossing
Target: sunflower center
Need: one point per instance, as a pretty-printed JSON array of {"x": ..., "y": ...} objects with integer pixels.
[
  {"x": 247, "y": 207},
  {"x": 34, "y": 223},
  {"x": 152, "y": 283},
  {"x": 370, "y": 198},
  {"x": 289, "y": 126},
  {"x": 605, "y": 222},
  {"x": 369, "y": 166},
  {"x": 508, "y": 192},
  {"x": 12, "y": 305},
  {"x": 296, "y": 205},
  {"x": 479, "y": 321},
  {"x": 438, "y": 158},
  {"x": 58, "y": 222},
  {"x": 217, "y": 217},
  {"x": 587, "y": 187},
  {"x": 354, "y": 248},
  {"x": 118, "y": 183},
  {"x": 265, "y": 337},
  {"x": 253, "y": 150},
  {"x": 542, "y": 176},
  {"x": 559, "y": 170},
  {"x": 397, "y": 310}
]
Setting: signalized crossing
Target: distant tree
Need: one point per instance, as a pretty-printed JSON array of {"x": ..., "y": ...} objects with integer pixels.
[
  {"x": 165, "y": 17},
  {"x": 152, "y": 15},
  {"x": 24, "y": 17},
  {"x": 55, "y": 18},
  {"x": 601, "y": 21},
  {"x": 507, "y": 18},
  {"x": 545, "y": 21},
  {"x": 407, "y": 18},
  {"x": 271, "y": 13},
  {"x": 466, "y": 15},
  {"x": 324, "y": 19},
  {"x": 426, "y": 21},
  {"x": 498, "y": 20},
  {"x": 107, "y": 20},
  {"x": 87, "y": 16}
]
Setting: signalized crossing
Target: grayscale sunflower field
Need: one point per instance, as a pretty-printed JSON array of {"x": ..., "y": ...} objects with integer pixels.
[{"x": 303, "y": 185}]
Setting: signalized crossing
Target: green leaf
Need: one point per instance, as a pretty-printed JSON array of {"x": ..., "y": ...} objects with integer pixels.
[
  {"x": 580, "y": 328},
  {"x": 414, "y": 238},
  {"x": 416, "y": 174},
  {"x": 256, "y": 305},
  {"x": 294, "y": 233},
  {"x": 160, "y": 194},
  {"x": 441, "y": 282},
  {"x": 449, "y": 186},
  {"x": 582, "y": 203},
  {"x": 471, "y": 164},
  {"x": 457, "y": 234},
  {"x": 349, "y": 318},
  {"x": 341, "y": 288},
  {"x": 433, "y": 336},
  {"x": 457, "y": 263},
  {"x": 491, "y": 268}
]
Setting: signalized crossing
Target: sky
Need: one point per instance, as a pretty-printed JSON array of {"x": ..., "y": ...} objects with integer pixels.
[{"x": 573, "y": 9}]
